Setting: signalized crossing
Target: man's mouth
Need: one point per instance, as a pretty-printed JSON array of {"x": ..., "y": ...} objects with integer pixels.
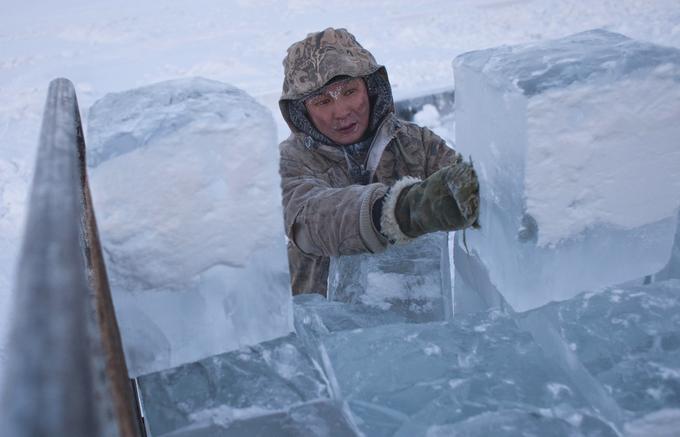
[{"x": 347, "y": 129}]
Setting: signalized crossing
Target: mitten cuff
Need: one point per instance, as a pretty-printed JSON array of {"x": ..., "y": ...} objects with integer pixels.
[
  {"x": 388, "y": 221},
  {"x": 372, "y": 238}
]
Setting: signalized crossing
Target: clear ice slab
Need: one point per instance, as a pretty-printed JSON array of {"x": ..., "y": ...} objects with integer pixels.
[
  {"x": 412, "y": 279},
  {"x": 353, "y": 368},
  {"x": 575, "y": 144},
  {"x": 416, "y": 379},
  {"x": 404, "y": 378},
  {"x": 326, "y": 316},
  {"x": 629, "y": 339},
  {"x": 262, "y": 380}
]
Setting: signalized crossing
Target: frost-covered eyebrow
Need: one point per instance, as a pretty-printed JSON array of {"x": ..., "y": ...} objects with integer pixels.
[{"x": 332, "y": 90}]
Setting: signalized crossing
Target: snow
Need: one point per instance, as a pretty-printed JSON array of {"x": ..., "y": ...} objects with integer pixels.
[
  {"x": 194, "y": 250},
  {"x": 577, "y": 150}
]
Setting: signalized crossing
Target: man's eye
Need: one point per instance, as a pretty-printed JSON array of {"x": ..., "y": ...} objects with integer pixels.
[
  {"x": 322, "y": 102},
  {"x": 349, "y": 92}
]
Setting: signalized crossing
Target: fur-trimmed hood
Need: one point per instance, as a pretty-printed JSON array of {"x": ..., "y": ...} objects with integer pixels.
[{"x": 313, "y": 62}]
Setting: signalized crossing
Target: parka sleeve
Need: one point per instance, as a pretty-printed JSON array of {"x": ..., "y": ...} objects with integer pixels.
[
  {"x": 437, "y": 153},
  {"x": 326, "y": 221}
]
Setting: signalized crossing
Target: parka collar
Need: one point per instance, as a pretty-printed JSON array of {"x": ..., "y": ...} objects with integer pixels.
[{"x": 385, "y": 132}]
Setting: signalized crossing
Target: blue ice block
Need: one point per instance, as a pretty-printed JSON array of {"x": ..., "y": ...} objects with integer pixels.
[
  {"x": 575, "y": 142},
  {"x": 412, "y": 279}
]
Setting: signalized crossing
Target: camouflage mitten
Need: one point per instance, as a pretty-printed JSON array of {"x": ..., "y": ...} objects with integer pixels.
[{"x": 445, "y": 201}]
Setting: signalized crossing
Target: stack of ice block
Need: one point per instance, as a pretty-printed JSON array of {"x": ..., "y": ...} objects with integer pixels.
[
  {"x": 385, "y": 358},
  {"x": 367, "y": 370},
  {"x": 577, "y": 145}
]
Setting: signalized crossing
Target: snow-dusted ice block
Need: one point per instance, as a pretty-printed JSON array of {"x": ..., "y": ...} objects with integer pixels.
[
  {"x": 185, "y": 184},
  {"x": 412, "y": 280},
  {"x": 577, "y": 145}
]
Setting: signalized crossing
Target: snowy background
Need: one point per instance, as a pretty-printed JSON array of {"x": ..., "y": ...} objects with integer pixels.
[{"x": 108, "y": 47}]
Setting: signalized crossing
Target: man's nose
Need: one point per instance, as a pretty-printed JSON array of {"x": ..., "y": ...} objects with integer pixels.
[{"x": 341, "y": 109}]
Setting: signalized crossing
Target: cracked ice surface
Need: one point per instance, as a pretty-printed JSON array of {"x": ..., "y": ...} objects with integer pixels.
[
  {"x": 404, "y": 380},
  {"x": 629, "y": 339},
  {"x": 576, "y": 144},
  {"x": 250, "y": 382},
  {"x": 177, "y": 201},
  {"x": 482, "y": 372},
  {"x": 312, "y": 419},
  {"x": 473, "y": 376}
]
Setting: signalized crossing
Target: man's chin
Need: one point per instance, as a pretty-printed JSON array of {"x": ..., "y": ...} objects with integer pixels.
[{"x": 350, "y": 137}]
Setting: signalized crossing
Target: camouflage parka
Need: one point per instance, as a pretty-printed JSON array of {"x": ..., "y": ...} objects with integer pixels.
[{"x": 326, "y": 211}]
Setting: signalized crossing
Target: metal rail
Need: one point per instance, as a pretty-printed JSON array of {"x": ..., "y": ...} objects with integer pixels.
[{"x": 66, "y": 373}]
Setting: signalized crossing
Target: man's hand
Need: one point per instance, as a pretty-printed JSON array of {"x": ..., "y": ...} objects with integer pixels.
[
  {"x": 464, "y": 186},
  {"x": 447, "y": 200}
]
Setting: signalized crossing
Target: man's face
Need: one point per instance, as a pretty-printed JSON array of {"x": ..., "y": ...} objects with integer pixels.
[{"x": 341, "y": 111}]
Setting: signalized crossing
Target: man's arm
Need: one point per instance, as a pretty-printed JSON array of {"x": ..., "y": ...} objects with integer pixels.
[
  {"x": 438, "y": 153},
  {"x": 447, "y": 199},
  {"x": 326, "y": 221}
]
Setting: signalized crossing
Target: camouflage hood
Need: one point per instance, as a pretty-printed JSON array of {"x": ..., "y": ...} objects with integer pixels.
[{"x": 316, "y": 60}]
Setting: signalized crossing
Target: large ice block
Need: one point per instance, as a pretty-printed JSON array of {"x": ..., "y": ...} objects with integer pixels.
[
  {"x": 413, "y": 279},
  {"x": 248, "y": 383},
  {"x": 316, "y": 317},
  {"x": 629, "y": 339},
  {"x": 478, "y": 374},
  {"x": 577, "y": 145},
  {"x": 415, "y": 379},
  {"x": 484, "y": 369},
  {"x": 185, "y": 183}
]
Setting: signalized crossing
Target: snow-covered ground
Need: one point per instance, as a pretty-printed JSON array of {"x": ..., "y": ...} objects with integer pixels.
[{"x": 113, "y": 46}]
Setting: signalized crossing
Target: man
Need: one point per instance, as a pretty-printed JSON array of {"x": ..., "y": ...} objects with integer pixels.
[{"x": 354, "y": 177}]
